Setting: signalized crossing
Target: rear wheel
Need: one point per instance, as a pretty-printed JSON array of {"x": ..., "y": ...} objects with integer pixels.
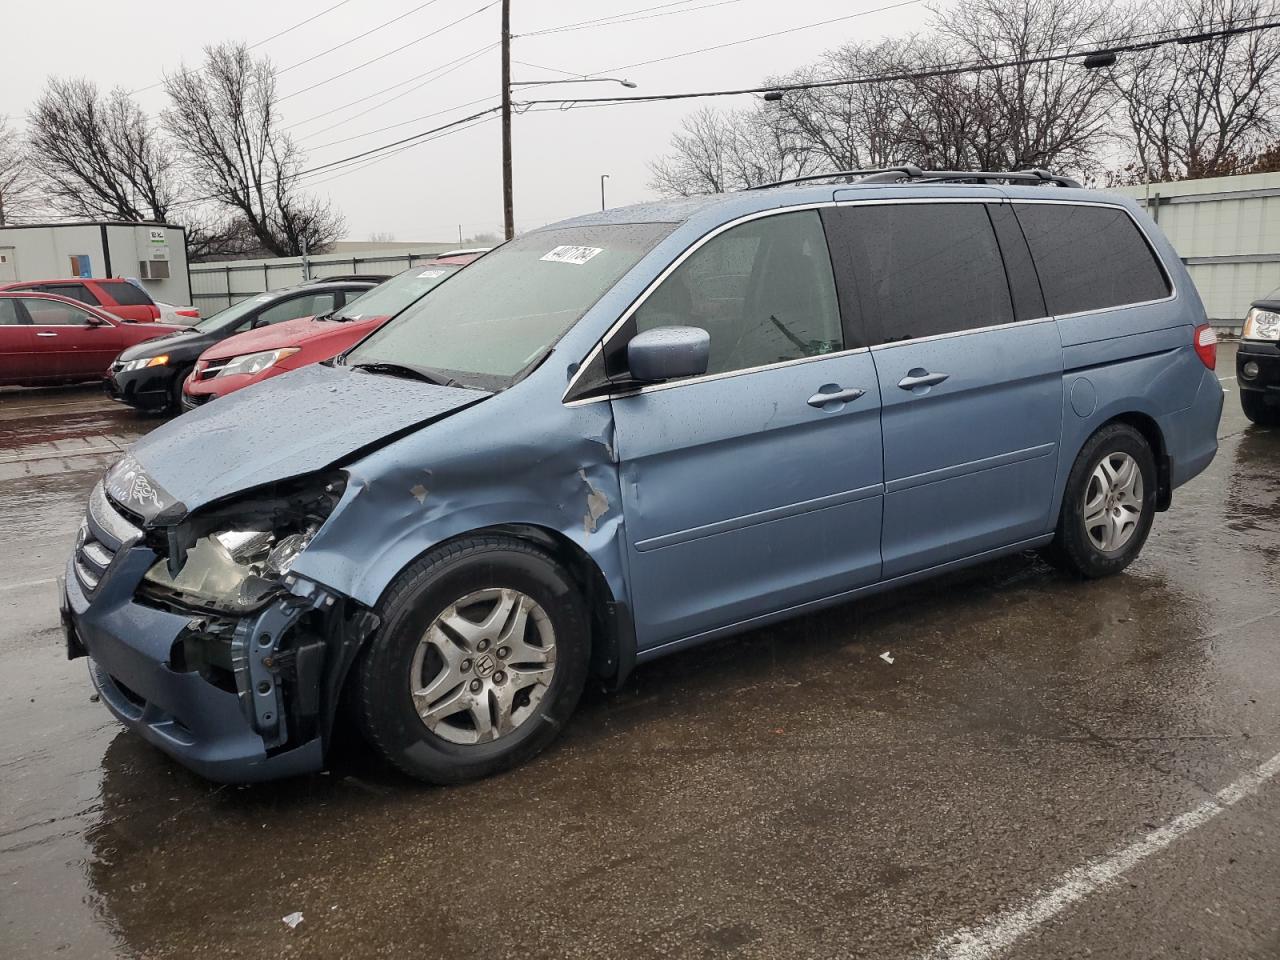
[
  {"x": 480, "y": 660},
  {"x": 1258, "y": 410},
  {"x": 1109, "y": 504}
]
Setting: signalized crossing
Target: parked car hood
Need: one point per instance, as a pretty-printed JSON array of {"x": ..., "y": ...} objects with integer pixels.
[
  {"x": 282, "y": 428},
  {"x": 185, "y": 343},
  {"x": 291, "y": 333}
]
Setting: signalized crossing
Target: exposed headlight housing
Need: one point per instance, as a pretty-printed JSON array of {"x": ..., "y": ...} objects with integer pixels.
[
  {"x": 251, "y": 363},
  {"x": 238, "y": 558},
  {"x": 1261, "y": 325}
]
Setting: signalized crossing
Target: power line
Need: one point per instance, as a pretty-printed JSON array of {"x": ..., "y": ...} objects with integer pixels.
[
  {"x": 978, "y": 66},
  {"x": 418, "y": 76},
  {"x": 359, "y": 36},
  {"x": 764, "y": 36},
  {"x": 302, "y": 23},
  {"x": 442, "y": 71},
  {"x": 626, "y": 18},
  {"x": 252, "y": 46},
  {"x": 404, "y": 46},
  {"x": 402, "y": 123}
]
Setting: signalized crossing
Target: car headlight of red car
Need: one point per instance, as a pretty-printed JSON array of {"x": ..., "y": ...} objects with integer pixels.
[{"x": 252, "y": 363}]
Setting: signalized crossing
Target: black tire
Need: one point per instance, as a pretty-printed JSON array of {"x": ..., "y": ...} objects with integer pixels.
[
  {"x": 1257, "y": 409},
  {"x": 1072, "y": 549},
  {"x": 175, "y": 391},
  {"x": 381, "y": 683}
]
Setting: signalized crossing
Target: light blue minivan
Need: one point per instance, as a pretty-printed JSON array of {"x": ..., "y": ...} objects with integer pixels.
[{"x": 635, "y": 431}]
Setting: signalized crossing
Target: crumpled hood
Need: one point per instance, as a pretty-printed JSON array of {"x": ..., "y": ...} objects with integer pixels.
[
  {"x": 276, "y": 430},
  {"x": 271, "y": 337}
]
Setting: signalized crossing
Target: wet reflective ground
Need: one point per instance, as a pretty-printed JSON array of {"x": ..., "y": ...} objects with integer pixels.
[{"x": 785, "y": 794}]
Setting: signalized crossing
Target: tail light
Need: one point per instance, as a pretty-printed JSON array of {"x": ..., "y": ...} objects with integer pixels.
[
  {"x": 1206, "y": 343},
  {"x": 191, "y": 312}
]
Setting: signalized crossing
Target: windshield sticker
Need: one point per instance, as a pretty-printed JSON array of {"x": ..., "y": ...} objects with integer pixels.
[
  {"x": 430, "y": 274},
  {"x": 574, "y": 255}
]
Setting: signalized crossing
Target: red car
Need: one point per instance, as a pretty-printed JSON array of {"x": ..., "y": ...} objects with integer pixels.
[
  {"x": 255, "y": 355},
  {"x": 47, "y": 339},
  {"x": 116, "y": 296}
]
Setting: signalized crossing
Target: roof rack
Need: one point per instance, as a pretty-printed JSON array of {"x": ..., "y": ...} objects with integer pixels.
[{"x": 908, "y": 173}]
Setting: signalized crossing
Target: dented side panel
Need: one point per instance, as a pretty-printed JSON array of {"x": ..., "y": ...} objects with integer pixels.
[{"x": 502, "y": 462}]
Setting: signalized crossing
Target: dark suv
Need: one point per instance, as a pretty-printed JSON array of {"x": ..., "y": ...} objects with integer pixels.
[
  {"x": 150, "y": 375},
  {"x": 1258, "y": 362}
]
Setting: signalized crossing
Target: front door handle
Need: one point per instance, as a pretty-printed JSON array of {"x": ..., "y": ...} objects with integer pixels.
[
  {"x": 46, "y": 333},
  {"x": 821, "y": 399},
  {"x": 921, "y": 378}
]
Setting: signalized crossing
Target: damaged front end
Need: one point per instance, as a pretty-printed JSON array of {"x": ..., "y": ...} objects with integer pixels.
[{"x": 251, "y": 658}]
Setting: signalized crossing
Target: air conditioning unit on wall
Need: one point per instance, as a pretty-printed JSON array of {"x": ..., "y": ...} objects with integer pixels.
[{"x": 153, "y": 269}]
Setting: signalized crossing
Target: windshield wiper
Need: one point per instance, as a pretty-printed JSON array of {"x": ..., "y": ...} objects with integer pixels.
[{"x": 415, "y": 373}]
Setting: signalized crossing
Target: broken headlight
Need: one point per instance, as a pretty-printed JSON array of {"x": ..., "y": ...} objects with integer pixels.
[{"x": 240, "y": 556}]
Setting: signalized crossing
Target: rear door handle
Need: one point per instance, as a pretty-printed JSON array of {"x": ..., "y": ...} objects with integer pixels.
[
  {"x": 821, "y": 399},
  {"x": 46, "y": 333},
  {"x": 921, "y": 378}
]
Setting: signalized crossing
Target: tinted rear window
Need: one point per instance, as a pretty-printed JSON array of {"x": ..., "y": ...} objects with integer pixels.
[
  {"x": 126, "y": 294},
  {"x": 76, "y": 291},
  {"x": 1090, "y": 258},
  {"x": 922, "y": 269}
]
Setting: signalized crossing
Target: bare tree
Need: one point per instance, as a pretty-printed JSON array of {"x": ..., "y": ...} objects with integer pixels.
[
  {"x": 234, "y": 151},
  {"x": 99, "y": 156},
  {"x": 1202, "y": 109},
  {"x": 717, "y": 151},
  {"x": 1020, "y": 114},
  {"x": 17, "y": 180}
]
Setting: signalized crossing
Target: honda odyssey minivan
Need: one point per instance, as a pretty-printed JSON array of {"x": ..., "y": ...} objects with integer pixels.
[{"x": 625, "y": 434}]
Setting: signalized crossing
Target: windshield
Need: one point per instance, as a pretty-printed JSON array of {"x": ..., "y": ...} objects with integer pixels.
[
  {"x": 232, "y": 315},
  {"x": 389, "y": 298},
  {"x": 505, "y": 310}
]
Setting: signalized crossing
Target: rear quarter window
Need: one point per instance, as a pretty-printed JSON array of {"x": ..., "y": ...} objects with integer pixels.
[
  {"x": 126, "y": 294},
  {"x": 1090, "y": 257}
]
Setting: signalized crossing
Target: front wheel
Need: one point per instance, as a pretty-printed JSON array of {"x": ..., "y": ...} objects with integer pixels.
[
  {"x": 479, "y": 662},
  {"x": 1257, "y": 409},
  {"x": 1109, "y": 504}
]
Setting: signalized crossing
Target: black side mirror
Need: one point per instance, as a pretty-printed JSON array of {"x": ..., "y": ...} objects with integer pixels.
[{"x": 666, "y": 353}]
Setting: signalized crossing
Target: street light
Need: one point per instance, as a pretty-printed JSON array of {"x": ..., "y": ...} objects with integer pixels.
[
  {"x": 603, "y": 178},
  {"x": 508, "y": 201},
  {"x": 543, "y": 83}
]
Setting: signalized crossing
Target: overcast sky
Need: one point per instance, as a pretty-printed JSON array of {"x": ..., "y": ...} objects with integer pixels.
[{"x": 425, "y": 193}]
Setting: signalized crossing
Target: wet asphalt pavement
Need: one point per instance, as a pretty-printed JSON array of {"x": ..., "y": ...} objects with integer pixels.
[{"x": 785, "y": 794}]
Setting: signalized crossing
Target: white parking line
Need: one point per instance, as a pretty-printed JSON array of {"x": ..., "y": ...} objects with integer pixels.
[
  {"x": 1225, "y": 379},
  {"x": 992, "y": 937}
]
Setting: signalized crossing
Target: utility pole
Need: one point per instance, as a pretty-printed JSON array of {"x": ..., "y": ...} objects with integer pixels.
[{"x": 508, "y": 205}]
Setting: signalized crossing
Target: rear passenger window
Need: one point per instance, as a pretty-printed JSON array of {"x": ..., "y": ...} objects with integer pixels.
[
  {"x": 764, "y": 291},
  {"x": 127, "y": 295},
  {"x": 9, "y": 314},
  {"x": 1090, "y": 257},
  {"x": 923, "y": 269},
  {"x": 75, "y": 291}
]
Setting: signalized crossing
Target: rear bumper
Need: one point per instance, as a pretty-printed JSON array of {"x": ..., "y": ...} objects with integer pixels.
[
  {"x": 1191, "y": 434},
  {"x": 1267, "y": 357},
  {"x": 129, "y": 647}
]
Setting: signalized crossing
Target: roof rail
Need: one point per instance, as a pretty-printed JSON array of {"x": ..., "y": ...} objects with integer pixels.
[{"x": 907, "y": 173}]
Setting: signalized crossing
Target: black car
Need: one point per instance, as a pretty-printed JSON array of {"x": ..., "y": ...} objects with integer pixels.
[
  {"x": 1258, "y": 362},
  {"x": 150, "y": 375}
]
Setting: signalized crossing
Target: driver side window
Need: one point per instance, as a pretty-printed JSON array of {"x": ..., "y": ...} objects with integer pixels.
[{"x": 763, "y": 290}]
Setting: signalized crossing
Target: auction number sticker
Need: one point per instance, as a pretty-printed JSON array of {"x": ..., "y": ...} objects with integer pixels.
[
  {"x": 575, "y": 255},
  {"x": 430, "y": 274}
]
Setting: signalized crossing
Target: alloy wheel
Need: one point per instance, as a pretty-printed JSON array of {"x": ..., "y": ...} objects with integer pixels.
[
  {"x": 483, "y": 666},
  {"x": 1113, "y": 502}
]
